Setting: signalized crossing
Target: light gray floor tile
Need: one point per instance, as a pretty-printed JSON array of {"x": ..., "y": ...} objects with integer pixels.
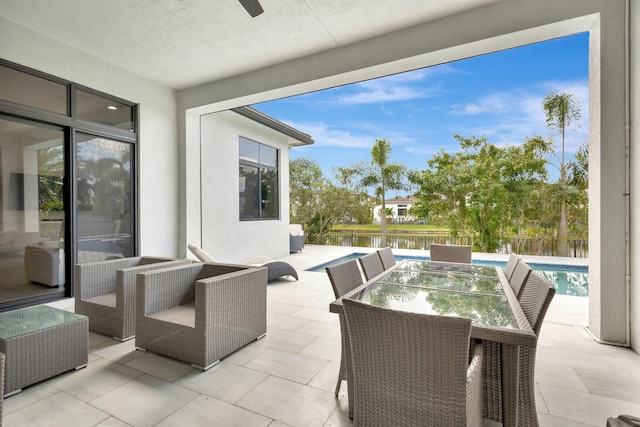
[
  {"x": 327, "y": 378},
  {"x": 321, "y": 329},
  {"x": 59, "y": 409},
  {"x": 121, "y": 352},
  {"x": 324, "y": 348},
  {"x": 322, "y": 315},
  {"x": 613, "y": 386},
  {"x": 224, "y": 381},
  {"x": 546, "y": 420},
  {"x": 113, "y": 422},
  {"x": 289, "y": 323},
  {"x": 160, "y": 366},
  {"x": 286, "y": 340},
  {"x": 561, "y": 376},
  {"x": 28, "y": 396},
  {"x": 144, "y": 401},
  {"x": 584, "y": 407},
  {"x": 206, "y": 412},
  {"x": 289, "y": 402},
  {"x": 291, "y": 366},
  {"x": 98, "y": 378}
]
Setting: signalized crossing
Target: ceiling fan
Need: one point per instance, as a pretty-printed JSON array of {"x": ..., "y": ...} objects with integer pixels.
[{"x": 252, "y": 6}]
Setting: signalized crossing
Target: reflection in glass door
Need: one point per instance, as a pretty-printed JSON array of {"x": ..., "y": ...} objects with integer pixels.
[
  {"x": 32, "y": 211},
  {"x": 103, "y": 200}
]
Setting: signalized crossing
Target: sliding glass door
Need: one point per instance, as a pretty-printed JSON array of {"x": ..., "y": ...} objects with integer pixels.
[{"x": 32, "y": 210}]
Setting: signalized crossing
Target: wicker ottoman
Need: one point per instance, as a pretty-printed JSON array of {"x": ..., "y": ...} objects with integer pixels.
[{"x": 41, "y": 342}]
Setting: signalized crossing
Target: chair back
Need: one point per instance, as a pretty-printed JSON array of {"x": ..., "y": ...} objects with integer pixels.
[
  {"x": 409, "y": 369},
  {"x": 344, "y": 277},
  {"x": 450, "y": 253},
  {"x": 200, "y": 253},
  {"x": 536, "y": 297},
  {"x": 511, "y": 265},
  {"x": 386, "y": 257},
  {"x": 519, "y": 278},
  {"x": 371, "y": 265}
]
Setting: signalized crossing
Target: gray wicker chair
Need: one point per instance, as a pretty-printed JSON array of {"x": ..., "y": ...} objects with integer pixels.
[
  {"x": 386, "y": 257},
  {"x": 412, "y": 369},
  {"x": 519, "y": 278},
  {"x": 344, "y": 278},
  {"x": 450, "y": 253},
  {"x": 371, "y": 265},
  {"x": 105, "y": 292},
  {"x": 536, "y": 297},
  {"x": 511, "y": 265},
  {"x": 200, "y": 313}
]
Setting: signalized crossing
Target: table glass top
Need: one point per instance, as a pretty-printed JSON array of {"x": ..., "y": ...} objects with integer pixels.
[
  {"x": 444, "y": 280},
  {"x": 483, "y": 309},
  {"x": 449, "y": 267},
  {"x": 31, "y": 319}
]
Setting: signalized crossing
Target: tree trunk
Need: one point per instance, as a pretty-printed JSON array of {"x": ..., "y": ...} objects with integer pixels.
[
  {"x": 383, "y": 225},
  {"x": 561, "y": 248}
]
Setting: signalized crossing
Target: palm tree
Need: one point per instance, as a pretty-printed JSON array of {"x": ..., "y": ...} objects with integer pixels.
[
  {"x": 562, "y": 111},
  {"x": 383, "y": 175}
]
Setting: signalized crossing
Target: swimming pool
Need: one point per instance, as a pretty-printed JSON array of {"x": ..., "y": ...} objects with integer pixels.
[{"x": 568, "y": 279}]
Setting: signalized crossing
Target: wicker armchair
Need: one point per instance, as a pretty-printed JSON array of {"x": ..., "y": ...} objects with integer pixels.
[
  {"x": 296, "y": 238},
  {"x": 536, "y": 297},
  {"x": 412, "y": 369},
  {"x": 1, "y": 384},
  {"x": 105, "y": 292},
  {"x": 511, "y": 265},
  {"x": 200, "y": 313},
  {"x": 386, "y": 257},
  {"x": 371, "y": 265},
  {"x": 520, "y": 278},
  {"x": 344, "y": 278},
  {"x": 450, "y": 253}
]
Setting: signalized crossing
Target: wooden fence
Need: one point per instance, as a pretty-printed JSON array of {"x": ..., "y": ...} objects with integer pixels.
[{"x": 537, "y": 246}]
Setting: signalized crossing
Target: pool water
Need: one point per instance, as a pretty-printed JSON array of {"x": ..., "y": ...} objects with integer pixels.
[{"x": 567, "y": 279}]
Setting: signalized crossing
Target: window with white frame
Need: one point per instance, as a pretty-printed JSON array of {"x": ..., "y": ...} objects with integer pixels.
[{"x": 259, "y": 186}]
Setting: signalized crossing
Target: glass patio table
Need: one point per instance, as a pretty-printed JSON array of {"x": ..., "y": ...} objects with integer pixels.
[{"x": 480, "y": 293}]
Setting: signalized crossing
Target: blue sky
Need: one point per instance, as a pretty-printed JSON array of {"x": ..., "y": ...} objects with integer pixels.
[{"x": 498, "y": 95}]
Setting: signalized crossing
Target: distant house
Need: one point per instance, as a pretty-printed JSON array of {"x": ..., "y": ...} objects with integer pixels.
[{"x": 400, "y": 207}]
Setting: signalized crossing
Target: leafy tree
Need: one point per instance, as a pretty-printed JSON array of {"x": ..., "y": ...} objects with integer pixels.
[
  {"x": 563, "y": 113},
  {"x": 483, "y": 191},
  {"x": 318, "y": 204},
  {"x": 382, "y": 175}
]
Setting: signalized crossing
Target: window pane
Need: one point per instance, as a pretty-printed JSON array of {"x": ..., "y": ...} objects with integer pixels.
[
  {"x": 268, "y": 156},
  {"x": 104, "y": 198},
  {"x": 249, "y": 192},
  {"x": 269, "y": 190},
  {"x": 32, "y": 91},
  {"x": 249, "y": 150},
  {"x": 94, "y": 108}
]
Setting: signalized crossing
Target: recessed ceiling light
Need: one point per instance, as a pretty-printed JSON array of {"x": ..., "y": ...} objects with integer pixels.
[{"x": 112, "y": 107}]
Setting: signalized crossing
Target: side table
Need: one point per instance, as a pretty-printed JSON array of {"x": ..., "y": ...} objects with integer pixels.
[{"x": 40, "y": 342}]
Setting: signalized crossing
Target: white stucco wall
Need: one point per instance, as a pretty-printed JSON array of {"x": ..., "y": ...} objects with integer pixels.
[
  {"x": 157, "y": 147},
  {"x": 497, "y": 26},
  {"x": 634, "y": 120},
  {"x": 223, "y": 235}
]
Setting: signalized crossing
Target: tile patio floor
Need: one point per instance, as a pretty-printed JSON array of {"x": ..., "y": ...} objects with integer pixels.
[{"x": 288, "y": 377}]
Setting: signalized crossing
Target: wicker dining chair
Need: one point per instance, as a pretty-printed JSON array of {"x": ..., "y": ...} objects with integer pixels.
[
  {"x": 386, "y": 257},
  {"x": 519, "y": 278},
  {"x": 536, "y": 297},
  {"x": 450, "y": 253},
  {"x": 412, "y": 369},
  {"x": 344, "y": 277},
  {"x": 371, "y": 265},
  {"x": 1, "y": 384},
  {"x": 511, "y": 265}
]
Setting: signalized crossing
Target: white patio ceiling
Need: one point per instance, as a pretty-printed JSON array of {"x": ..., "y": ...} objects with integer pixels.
[{"x": 183, "y": 43}]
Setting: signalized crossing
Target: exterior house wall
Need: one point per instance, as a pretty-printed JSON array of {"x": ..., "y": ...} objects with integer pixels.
[
  {"x": 158, "y": 164},
  {"x": 224, "y": 236},
  {"x": 394, "y": 205}
]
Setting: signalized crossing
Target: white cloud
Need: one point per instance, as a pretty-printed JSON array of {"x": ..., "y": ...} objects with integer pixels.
[
  {"x": 510, "y": 117},
  {"x": 325, "y": 136}
]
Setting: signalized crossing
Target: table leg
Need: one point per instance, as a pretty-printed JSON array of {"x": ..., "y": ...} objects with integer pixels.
[{"x": 510, "y": 378}]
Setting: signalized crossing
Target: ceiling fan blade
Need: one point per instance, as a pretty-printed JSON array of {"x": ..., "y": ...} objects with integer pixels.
[{"x": 252, "y": 6}]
